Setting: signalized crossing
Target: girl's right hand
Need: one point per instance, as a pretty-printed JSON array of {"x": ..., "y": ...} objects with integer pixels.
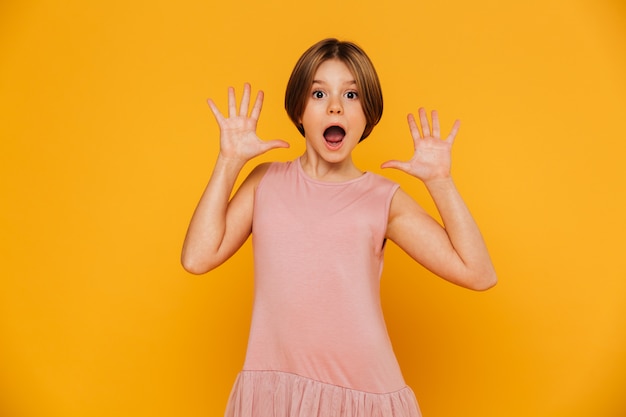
[{"x": 238, "y": 138}]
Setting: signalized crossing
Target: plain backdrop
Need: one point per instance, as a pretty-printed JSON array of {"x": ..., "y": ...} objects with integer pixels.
[{"x": 106, "y": 143}]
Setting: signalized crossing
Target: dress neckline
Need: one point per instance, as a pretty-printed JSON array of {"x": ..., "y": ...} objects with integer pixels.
[{"x": 307, "y": 177}]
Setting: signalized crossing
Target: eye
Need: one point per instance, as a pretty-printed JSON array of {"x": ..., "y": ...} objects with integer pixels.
[
  {"x": 352, "y": 95},
  {"x": 318, "y": 94}
]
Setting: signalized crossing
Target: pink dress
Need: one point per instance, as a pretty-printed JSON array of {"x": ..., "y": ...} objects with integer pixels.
[{"x": 318, "y": 343}]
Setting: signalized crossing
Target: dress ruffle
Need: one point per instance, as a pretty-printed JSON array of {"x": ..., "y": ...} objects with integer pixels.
[{"x": 282, "y": 394}]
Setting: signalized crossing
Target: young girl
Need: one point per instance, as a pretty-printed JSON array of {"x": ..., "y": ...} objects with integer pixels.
[{"x": 318, "y": 344}]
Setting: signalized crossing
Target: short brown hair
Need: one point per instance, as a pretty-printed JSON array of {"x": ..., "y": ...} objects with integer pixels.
[{"x": 357, "y": 61}]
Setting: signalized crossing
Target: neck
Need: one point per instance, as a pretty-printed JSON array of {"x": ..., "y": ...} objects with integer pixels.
[{"x": 320, "y": 169}]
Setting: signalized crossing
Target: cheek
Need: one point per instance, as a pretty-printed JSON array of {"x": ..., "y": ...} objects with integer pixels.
[
  {"x": 359, "y": 114},
  {"x": 310, "y": 113}
]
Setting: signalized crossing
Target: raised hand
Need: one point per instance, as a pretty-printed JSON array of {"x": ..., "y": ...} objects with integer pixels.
[
  {"x": 432, "y": 157},
  {"x": 238, "y": 138}
]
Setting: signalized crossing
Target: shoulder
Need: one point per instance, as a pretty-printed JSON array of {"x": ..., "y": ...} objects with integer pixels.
[
  {"x": 405, "y": 211},
  {"x": 379, "y": 182},
  {"x": 254, "y": 178},
  {"x": 257, "y": 173},
  {"x": 381, "y": 188},
  {"x": 266, "y": 172},
  {"x": 267, "y": 169},
  {"x": 402, "y": 202}
]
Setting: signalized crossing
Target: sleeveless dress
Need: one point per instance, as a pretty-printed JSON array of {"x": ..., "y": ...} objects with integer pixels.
[{"x": 318, "y": 343}]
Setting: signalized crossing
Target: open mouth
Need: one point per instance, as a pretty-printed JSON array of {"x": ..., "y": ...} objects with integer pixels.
[{"x": 334, "y": 136}]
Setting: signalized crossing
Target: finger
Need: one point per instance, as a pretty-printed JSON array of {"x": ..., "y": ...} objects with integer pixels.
[
  {"x": 415, "y": 131},
  {"x": 216, "y": 112},
  {"x": 232, "y": 102},
  {"x": 258, "y": 104},
  {"x": 271, "y": 144},
  {"x": 277, "y": 143},
  {"x": 453, "y": 131},
  {"x": 245, "y": 101},
  {"x": 424, "y": 122},
  {"x": 435, "y": 117},
  {"x": 395, "y": 164}
]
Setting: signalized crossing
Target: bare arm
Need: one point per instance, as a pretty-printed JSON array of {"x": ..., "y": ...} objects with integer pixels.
[
  {"x": 220, "y": 225},
  {"x": 456, "y": 251}
]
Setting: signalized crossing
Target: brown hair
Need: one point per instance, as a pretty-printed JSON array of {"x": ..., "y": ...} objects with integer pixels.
[{"x": 357, "y": 61}]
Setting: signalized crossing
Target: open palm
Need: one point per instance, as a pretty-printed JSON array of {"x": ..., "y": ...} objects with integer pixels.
[
  {"x": 432, "y": 156},
  {"x": 238, "y": 137}
]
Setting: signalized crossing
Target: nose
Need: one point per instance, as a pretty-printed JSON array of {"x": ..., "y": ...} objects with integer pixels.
[{"x": 334, "y": 106}]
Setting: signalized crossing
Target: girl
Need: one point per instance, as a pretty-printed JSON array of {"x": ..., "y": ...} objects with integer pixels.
[{"x": 318, "y": 344}]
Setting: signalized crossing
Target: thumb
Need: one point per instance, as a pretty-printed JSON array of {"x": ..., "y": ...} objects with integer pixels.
[
  {"x": 277, "y": 143},
  {"x": 394, "y": 164}
]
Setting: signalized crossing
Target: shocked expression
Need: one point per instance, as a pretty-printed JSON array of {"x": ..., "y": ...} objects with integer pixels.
[{"x": 333, "y": 118}]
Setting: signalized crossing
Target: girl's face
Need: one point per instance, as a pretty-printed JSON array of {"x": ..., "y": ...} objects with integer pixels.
[{"x": 333, "y": 118}]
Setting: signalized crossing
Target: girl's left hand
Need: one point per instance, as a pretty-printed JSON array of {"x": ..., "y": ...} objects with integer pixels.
[{"x": 432, "y": 157}]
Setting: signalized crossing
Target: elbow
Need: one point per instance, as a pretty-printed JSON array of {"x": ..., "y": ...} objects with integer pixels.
[
  {"x": 193, "y": 265},
  {"x": 474, "y": 280},
  {"x": 484, "y": 285},
  {"x": 484, "y": 281},
  {"x": 193, "y": 268}
]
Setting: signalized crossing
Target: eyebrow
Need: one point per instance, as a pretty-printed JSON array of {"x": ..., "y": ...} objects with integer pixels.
[{"x": 351, "y": 82}]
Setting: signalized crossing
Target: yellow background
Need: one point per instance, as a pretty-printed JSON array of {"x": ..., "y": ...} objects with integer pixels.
[{"x": 107, "y": 143}]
